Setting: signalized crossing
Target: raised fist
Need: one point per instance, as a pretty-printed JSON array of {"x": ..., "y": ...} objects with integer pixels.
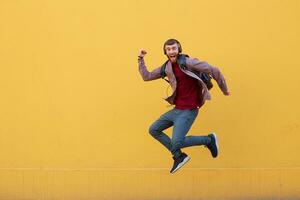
[{"x": 142, "y": 53}]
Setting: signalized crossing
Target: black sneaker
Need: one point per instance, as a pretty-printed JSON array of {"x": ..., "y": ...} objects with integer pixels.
[
  {"x": 179, "y": 162},
  {"x": 213, "y": 145}
]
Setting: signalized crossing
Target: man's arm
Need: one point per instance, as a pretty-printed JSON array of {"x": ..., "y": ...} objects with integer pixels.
[
  {"x": 146, "y": 75},
  {"x": 201, "y": 66}
]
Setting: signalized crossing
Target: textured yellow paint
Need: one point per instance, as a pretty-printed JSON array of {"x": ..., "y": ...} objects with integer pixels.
[{"x": 73, "y": 100}]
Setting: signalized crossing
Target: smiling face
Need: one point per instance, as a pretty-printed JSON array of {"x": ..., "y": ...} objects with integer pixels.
[{"x": 172, "y": 52}]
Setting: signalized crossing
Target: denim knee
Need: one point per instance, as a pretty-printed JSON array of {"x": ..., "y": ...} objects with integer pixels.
[{"x": 153, "y": 131}]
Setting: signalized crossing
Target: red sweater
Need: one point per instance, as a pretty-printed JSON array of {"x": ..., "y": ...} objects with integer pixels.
[{"x": 187, "y": 92}]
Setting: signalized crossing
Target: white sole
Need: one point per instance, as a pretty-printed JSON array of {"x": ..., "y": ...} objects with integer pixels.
[
  {"x": 216, "y": 140},
  {"x": 181, "y": 164}
]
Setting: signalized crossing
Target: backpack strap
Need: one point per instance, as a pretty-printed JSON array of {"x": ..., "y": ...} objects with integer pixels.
[
  {"x": 206, "y": 78},
  {"x": 163, "y": 71},
  {"x": 181, "y": 60}
]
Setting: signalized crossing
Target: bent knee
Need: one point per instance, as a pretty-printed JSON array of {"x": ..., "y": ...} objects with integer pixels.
[{"x": 153, "y": 131}]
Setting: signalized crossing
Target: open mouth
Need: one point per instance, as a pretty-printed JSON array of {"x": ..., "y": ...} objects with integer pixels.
[{"x": 172, "y": 56}]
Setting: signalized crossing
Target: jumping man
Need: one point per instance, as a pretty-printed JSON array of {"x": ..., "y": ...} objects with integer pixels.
[{"x": 190, "y": 91}]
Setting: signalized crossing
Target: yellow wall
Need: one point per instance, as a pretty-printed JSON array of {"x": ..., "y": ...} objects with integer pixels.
[{"x": 75, "y": 111}]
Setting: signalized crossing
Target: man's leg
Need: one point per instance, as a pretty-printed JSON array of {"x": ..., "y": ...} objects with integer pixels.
[
  {"x": 156, "y": 129},
  {"x": 182, "y": 124},
  {"x": 195, "y": 140}
]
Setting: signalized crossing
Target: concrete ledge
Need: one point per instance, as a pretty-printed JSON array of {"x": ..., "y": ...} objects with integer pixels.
[{"x": 149, "y": 184}]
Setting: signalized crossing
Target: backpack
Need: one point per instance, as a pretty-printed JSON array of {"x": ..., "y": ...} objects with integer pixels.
[{"x": 181, "y": 60}]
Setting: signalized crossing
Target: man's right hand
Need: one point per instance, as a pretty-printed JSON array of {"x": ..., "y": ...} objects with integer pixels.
[
  {"x": 142, "y": 53},
  {"x": 227, "y": 93}
]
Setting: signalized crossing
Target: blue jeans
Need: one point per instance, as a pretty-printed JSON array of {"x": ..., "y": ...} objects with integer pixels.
[{"x": 182, "y": 121}]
